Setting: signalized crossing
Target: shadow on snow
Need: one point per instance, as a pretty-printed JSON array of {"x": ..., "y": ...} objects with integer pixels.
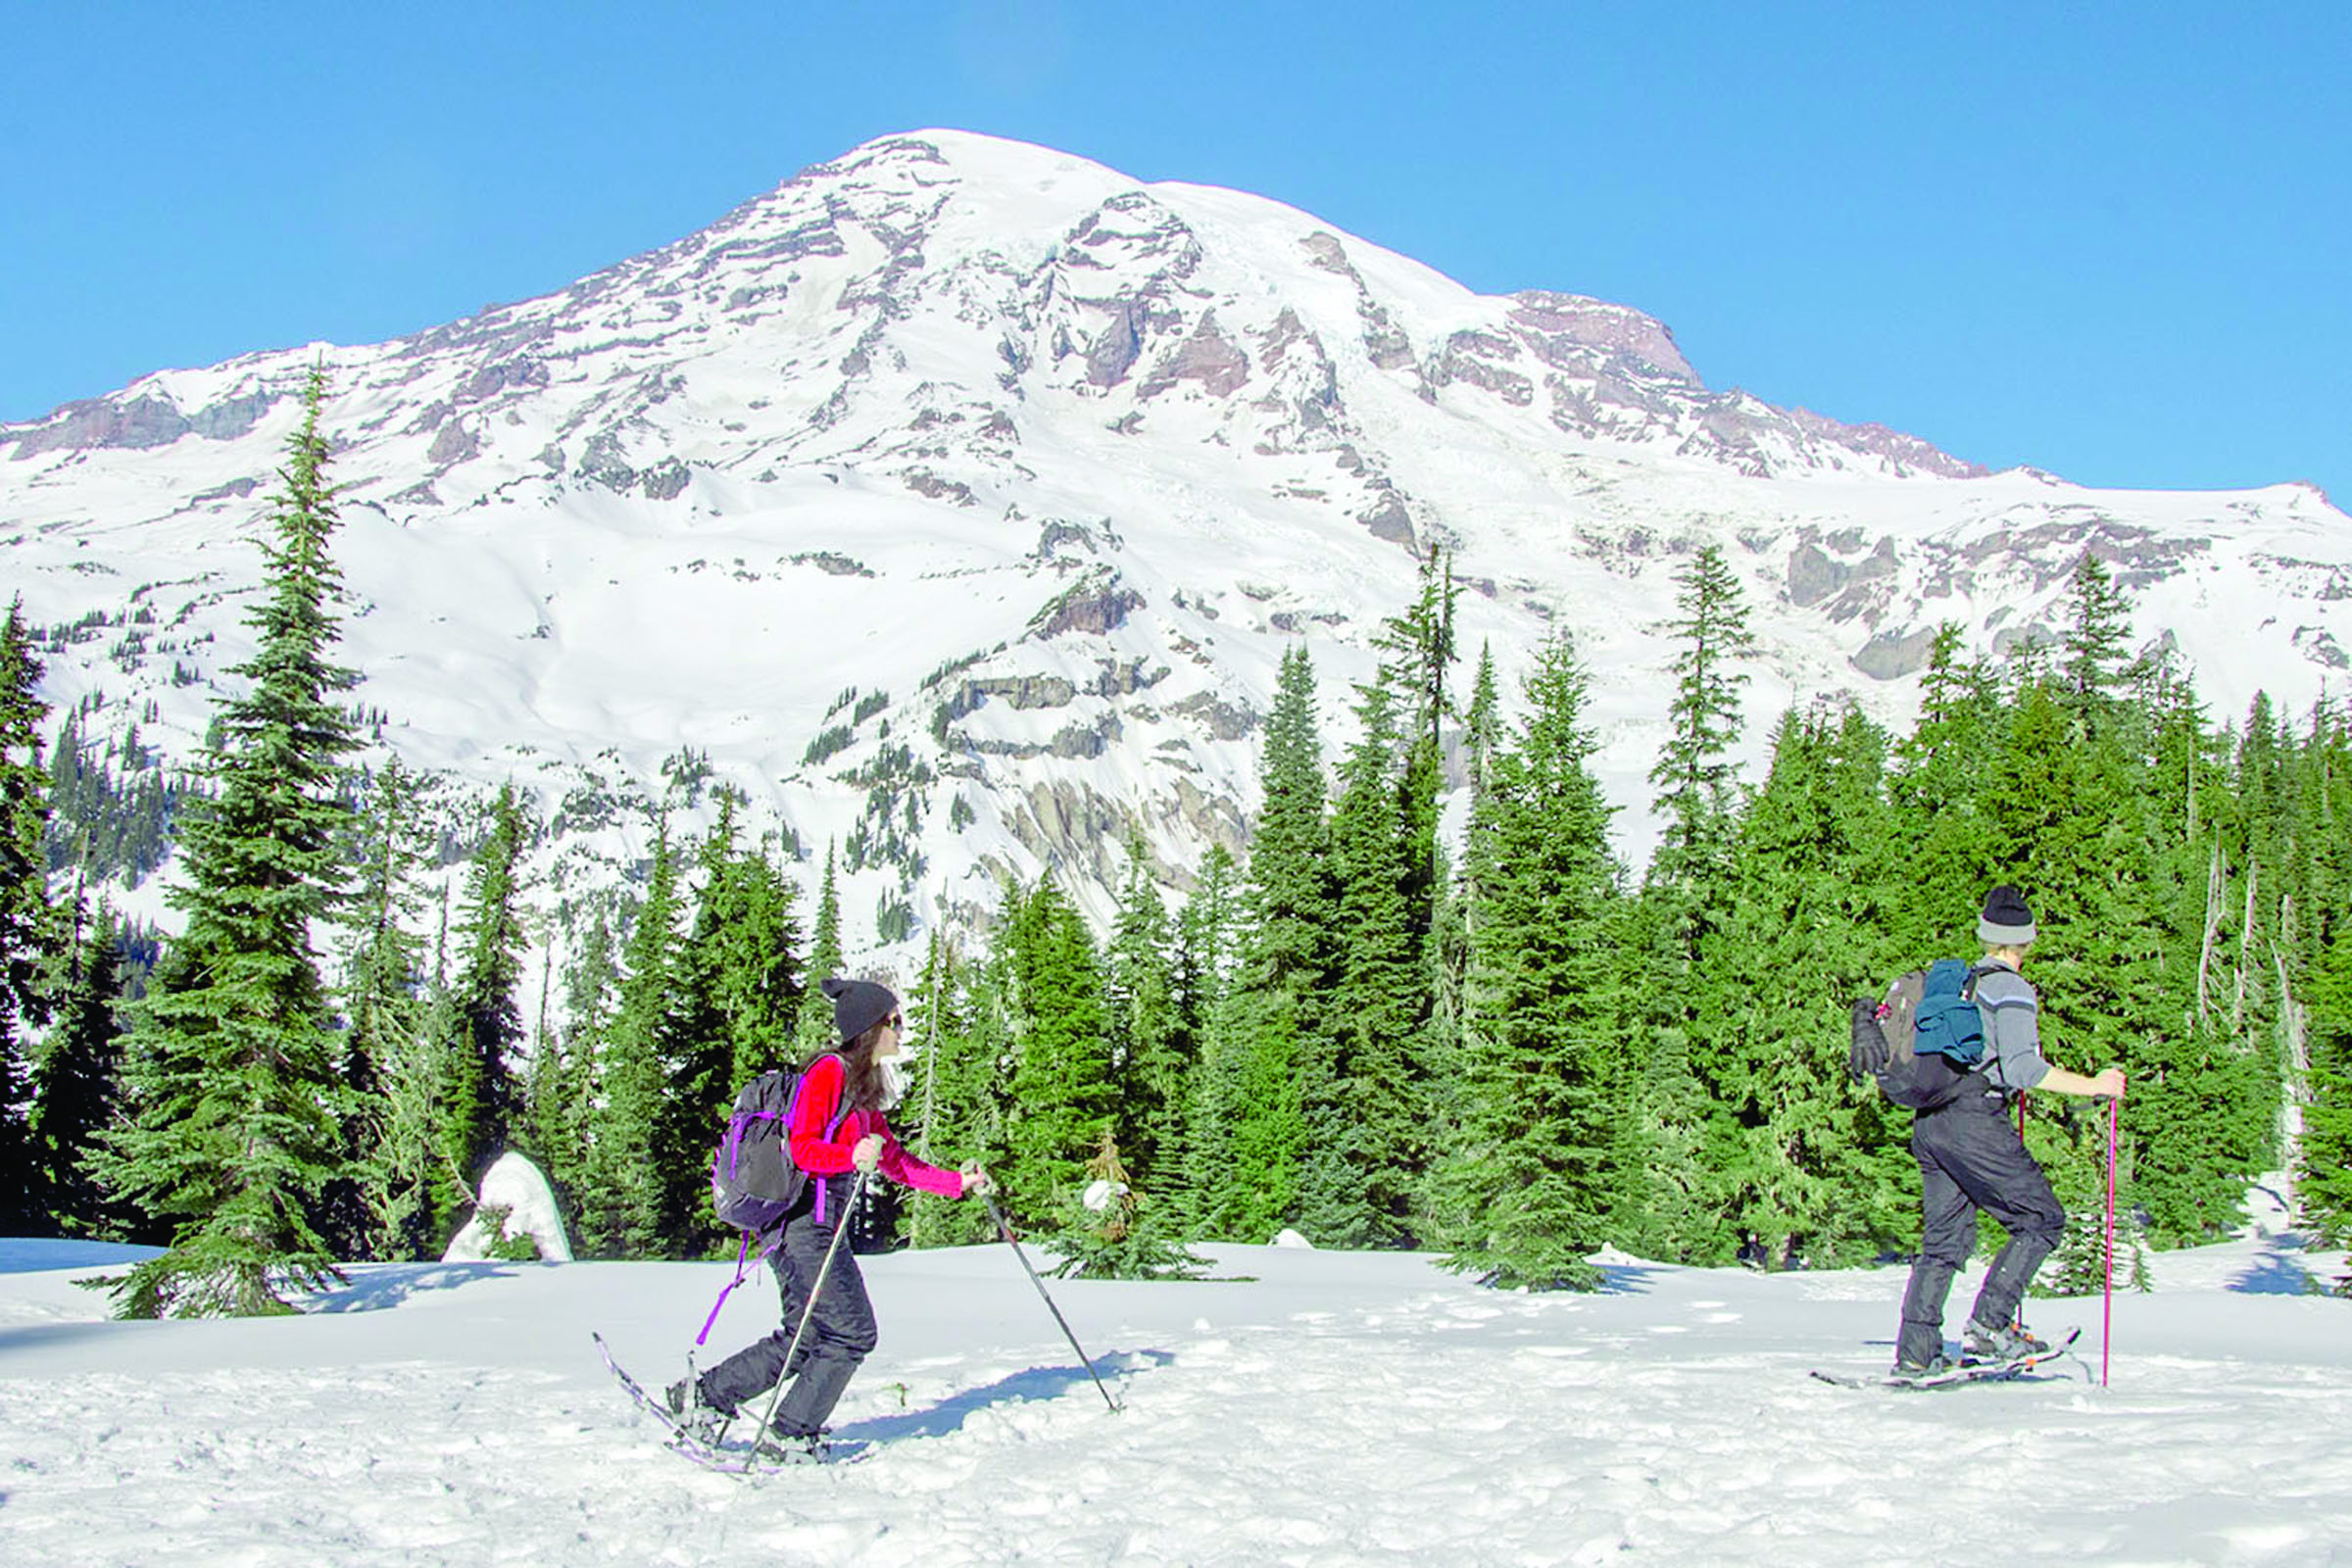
[
  {"x": 389, "y": 1285},
  {"x": 1035, "y": 1383}
]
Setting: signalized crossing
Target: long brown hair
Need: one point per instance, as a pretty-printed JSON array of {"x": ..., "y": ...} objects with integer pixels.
[{"x": 862, "y": 1086}]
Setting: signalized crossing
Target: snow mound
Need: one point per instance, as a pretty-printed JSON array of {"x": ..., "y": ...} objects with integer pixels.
[{"x": 516, "y": 1185}]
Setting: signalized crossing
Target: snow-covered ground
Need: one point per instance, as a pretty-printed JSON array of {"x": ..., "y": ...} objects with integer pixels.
[{"x": 1310, "y": 1409}]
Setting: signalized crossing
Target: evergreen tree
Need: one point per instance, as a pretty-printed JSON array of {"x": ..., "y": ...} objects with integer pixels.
[
  {"x": 1365, "y": 1106},
  {"x": 622, "y": 1210},
  {"x": 1943, "y": 851},
  {"x": 30, "y": 933},
  {"x": 751, "y": 959},
  {"x": 731, "y": 1018},
  {"x": 392, "y": 1070},
  {"x": 1267, "y": 1058},
  {"x": 565, "y": 1080},
  {"x": 1062, "y": 1098},
  {"x": 77, "y": 1086},
  {"x": 1290, "y": 899},
  {"x": 965, "y": 1015},
  {"x": 824, "y": 961},
  {"x": 1482, "y": 723},
  {"x": 1694, "y": 772},
  {"x": 1545, "y": 1068},
  {"x": 2096, "y": 644},
  {"x": 482, "y": 1095},
  {"x": 1251, "y": 1086},
  {"x": 1148, "y": 1055},
  {"x": 1198, "y": 1173},
  {"x": 232, "y": 1057},
  {"x": 2324, "y": 1169},
  {"x": 1113, "y": 1231},
  {"x": 544, "y": 1126},
  {"x": 1685, "y": 897},
  {"x": 2070, "y": 814},
  {"x": 1803, "y": 1171},
  {"x": 107, "y": 823}
]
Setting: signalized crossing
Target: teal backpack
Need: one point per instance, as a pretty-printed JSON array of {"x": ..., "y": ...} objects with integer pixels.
[{"x": 1925, "y": 1039}]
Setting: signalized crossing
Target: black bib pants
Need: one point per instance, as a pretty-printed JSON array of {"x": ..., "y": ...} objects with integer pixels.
[
  {"x": 1971, "y": 1157},
  {"x": 841, "y": 1330}
]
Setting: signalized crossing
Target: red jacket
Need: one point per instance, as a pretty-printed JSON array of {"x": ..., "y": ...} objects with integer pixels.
[{"x": 822, "y": 1153}]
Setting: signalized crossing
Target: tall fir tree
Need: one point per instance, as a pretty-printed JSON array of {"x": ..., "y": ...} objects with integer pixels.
[
  {"x": 1529, "y": 1187},
  {"x": 394, "y": 1070},
  {"x": 1685, "y": 895},
  {"x": 565, "y": 1086},
  {"x": 624, "y": 1207},
  {"x": 1290, "y": 896},
  {"x": 1062, "y": 1094},
  {"x": 1195, "y": 1173},
  {"x": 482, "y": 1093},
  {"x": 1694, "y": 771},
  {"x": 963, "y": 1016},
  {"x": 824, "y": 961},
  {"x": 2324, "y": 1146},
  {"x": 1149, "y": 1049},
  {"x": 1481, "y": 724},
  {"x": 737, "y": 996},
  {"x": 232, "y": 1057},
  {"x": 1366, "y": 1109},
  {"x": 2097, "y": 642},
  {"x": 550, "y": 1079},
  {"x": 78, "y": 1085},
  {"x": 1804, "y": 1171},
  {"x": 1939, "y": 777},
  {"x": 1272, "y": 1024},
  {"x": 32, "y": 934}
]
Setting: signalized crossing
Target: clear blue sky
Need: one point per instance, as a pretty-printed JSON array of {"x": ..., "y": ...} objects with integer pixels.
[{"x": 2106, "y": 239}]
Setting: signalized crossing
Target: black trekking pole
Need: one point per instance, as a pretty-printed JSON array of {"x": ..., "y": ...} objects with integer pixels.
[
  {"x": 1006, "y": 1231},
  {"x": 848, "y": 1212}
]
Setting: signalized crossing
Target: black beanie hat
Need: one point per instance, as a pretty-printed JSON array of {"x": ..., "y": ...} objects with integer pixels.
[
  {"x": 857, "y": 1006},
  {"x": 2007, "y": 922}
]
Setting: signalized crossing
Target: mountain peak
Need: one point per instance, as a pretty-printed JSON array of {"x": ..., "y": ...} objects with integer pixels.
[{"x": 956, "y": 499}]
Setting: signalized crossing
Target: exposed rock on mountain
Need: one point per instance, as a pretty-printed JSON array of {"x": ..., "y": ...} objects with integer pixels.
[{"x": 956, "y": 499}]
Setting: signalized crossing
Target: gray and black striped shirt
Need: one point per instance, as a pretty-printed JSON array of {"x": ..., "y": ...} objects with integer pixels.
[{"x": 2013, "y": 1059}]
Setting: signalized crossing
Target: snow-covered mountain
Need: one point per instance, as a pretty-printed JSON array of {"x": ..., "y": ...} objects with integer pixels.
[{"x": 956, "y": 499}]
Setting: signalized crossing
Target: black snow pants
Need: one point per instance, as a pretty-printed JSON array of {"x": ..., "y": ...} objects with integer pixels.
[
  {"x": 1971, "y": 1157},
  {"x": 841, "y": 1330}
]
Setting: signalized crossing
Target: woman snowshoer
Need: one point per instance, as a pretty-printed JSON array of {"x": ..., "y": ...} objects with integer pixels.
[{"x": 837, "y": 1125}]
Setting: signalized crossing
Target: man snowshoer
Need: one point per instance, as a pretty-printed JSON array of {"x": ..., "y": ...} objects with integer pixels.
[
  {"x": 836, "y": 1126},
  {"x": 1972, "y": 1158}
]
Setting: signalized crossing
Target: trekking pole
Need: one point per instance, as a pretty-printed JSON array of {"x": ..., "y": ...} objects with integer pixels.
[
  {"x": 1006, "y": 1231},
  {"x": 2107, "y": 1307},
  {"x": 848, "y": 1212}
]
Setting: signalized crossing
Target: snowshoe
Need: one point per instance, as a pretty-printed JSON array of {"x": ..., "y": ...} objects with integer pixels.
[
  {"x": 695, "y": 1416},
  {"x": 1988, "y": 1344}
]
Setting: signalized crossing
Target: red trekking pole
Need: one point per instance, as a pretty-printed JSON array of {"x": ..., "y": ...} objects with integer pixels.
[{"x": 2107, "y": 1307}]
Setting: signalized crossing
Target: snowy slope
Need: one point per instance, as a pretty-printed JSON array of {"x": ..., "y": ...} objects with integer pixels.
[
  {"x": 992, "y": 453},
  {"x": 1331, "y": 1408}
]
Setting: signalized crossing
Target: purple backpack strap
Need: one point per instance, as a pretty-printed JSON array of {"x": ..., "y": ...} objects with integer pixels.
[
  {"x": 840, "y": 1116},
  {"x": 741, "y": 1253},
  {"x": 733, "y": 1149}
]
